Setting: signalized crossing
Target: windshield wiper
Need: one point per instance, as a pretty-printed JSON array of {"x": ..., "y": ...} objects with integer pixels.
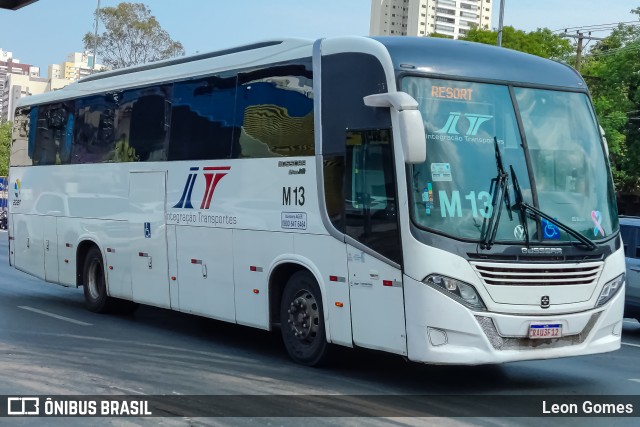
[
  {"x": 520, "y": 205},
  {"x": 523, "y": 207},
  {"x": 501, "y": 186}
]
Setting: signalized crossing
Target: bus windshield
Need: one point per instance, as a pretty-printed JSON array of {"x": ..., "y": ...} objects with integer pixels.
[{"x": 451, "y": 192}]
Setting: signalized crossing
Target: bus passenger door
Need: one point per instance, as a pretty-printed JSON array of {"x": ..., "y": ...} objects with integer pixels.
[
  {"x": 148, "y": 238},
  {"x": 374, "y": 255},
  {"x": 357, "y": 150}
]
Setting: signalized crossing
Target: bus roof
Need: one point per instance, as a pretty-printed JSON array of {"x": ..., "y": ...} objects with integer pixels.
[
  {"x": 185, "y": 67},
  {"x": 435, "y": 56},
  {"x": 470, "y": 60}
]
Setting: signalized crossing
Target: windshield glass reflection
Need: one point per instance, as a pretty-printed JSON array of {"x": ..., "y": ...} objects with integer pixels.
[{"x": 451, "y": 192}]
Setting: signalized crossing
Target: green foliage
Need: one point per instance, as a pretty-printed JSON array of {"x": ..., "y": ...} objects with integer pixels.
[
  {"x": 440, "y": 36},
  {"x": 541, "y": 42},
  {"x": 132, "y": 36},
  {"x": 5, "y": 147},
  {"x": 612, "y": 70}
]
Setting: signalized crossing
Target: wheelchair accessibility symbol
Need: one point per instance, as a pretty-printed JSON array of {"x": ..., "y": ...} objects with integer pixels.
[{"x": 549, "y": 230}]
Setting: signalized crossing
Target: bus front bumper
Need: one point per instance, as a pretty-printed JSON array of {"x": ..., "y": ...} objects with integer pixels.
[{"x": 443, "y": 331}]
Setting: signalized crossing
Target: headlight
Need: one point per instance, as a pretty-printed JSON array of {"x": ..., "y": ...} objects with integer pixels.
[
  {"x": 459, "y": 291},
  {"x": 610, "y": 289}
]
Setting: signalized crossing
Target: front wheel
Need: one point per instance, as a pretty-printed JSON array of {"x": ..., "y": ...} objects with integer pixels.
[
  {"x": 94, "y": 283},
  {"x": 302, "y": 319}
]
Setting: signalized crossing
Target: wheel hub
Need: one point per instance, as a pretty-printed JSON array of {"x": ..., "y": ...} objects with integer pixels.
[{"x": 304, "y": 317}]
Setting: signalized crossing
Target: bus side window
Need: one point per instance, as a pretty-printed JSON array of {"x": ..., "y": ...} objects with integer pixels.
[
  {"x": 93, "y": 140},
  {"x": 370, "y": 192},
  {"x": 202, "y": 119},
  {"x": 51, "y": 146},
  {"x": 274, "y": 111},
  {"x": 20, "y": 150},
  {"x": 141, "y": 125}
]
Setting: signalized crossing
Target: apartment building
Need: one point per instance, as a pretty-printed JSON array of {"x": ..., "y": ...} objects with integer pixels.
[
  {"x": 77, "y": 66},
  {"x": 18, "y": 80},
  {"x": 18, "y": 86},
  {"x": 452, "y": 18},
  {"x": 10, "y": 67}
]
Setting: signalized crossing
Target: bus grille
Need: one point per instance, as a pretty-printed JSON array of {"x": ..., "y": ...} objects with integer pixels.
[
  {"x": 538, "y": 275},
  {"x": 499, "y": 342}
]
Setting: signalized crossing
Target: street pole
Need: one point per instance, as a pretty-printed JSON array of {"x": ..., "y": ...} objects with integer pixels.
[
  {"x": 580, "y": 37},
  {"x": 579, "y": 51},
  {"x": 95, "y": 38},
  {"x": 500, "y": 22}
]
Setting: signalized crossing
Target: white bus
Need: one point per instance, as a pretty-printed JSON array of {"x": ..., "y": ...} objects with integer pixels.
[{"x": 441, "y": 200}]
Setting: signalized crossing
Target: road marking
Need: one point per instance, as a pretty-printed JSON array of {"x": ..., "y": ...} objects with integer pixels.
[
  {"x": 632, "y": 345},
  {"x": 55, "y": 316},
  {"x": 634, "y": 380}
]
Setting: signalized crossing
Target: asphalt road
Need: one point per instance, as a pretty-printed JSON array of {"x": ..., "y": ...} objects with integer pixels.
[{"x": 50, "y": 345}]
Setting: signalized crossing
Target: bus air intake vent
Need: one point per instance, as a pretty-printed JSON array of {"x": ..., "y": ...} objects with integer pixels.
[{"x": 537, "y": 274}]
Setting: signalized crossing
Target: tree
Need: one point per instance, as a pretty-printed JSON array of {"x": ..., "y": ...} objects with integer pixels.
[
  {"x": 5, "y": 146},
  {"x": 612, "y": 71},
  {"x": 132, "y": 36},
  {"x": 541, "y": 42}
]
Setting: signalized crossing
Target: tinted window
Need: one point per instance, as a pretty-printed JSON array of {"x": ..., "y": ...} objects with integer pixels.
[
  {"x": 94, "y": 130},
  {"x": 54, "y": 135},
  {"x": 346, "y": 79},
  {"x": 141, "y": 125},
  {"x": 370, "y": 192},
  {"x": 202, "y": 119},
  {"x": 628, "y": 238},
  {"x": 20, "y": 150},
  {"x": 274, "y": 112}
]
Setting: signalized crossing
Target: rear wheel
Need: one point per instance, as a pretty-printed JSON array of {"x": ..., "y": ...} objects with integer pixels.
[
  {"x": 302, "y": 319},
  {"x": 94, "y": 283}
]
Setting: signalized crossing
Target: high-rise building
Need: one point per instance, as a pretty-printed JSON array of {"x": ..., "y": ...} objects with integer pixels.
[
  {"x": 453, "y": 18},
  {"x": 18, "y": 86},
  {"x": 18, "y": 80},
  {"x": 10, "y": 66},
  {"x": 77, "y": 66}
]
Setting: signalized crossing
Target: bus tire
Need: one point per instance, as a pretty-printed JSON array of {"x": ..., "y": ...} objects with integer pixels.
[
  {"x": 94, "y": 283},
  {"x": 302, "y": 320}
]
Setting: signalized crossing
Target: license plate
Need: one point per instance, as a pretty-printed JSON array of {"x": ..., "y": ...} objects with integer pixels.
[{"x": 545, "y": 330}]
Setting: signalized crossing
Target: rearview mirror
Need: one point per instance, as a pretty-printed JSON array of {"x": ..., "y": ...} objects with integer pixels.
[{"x": 410, "y": 124}]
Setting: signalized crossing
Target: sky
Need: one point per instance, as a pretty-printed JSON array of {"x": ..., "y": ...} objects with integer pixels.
[{"x": 46, "y": 31}]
